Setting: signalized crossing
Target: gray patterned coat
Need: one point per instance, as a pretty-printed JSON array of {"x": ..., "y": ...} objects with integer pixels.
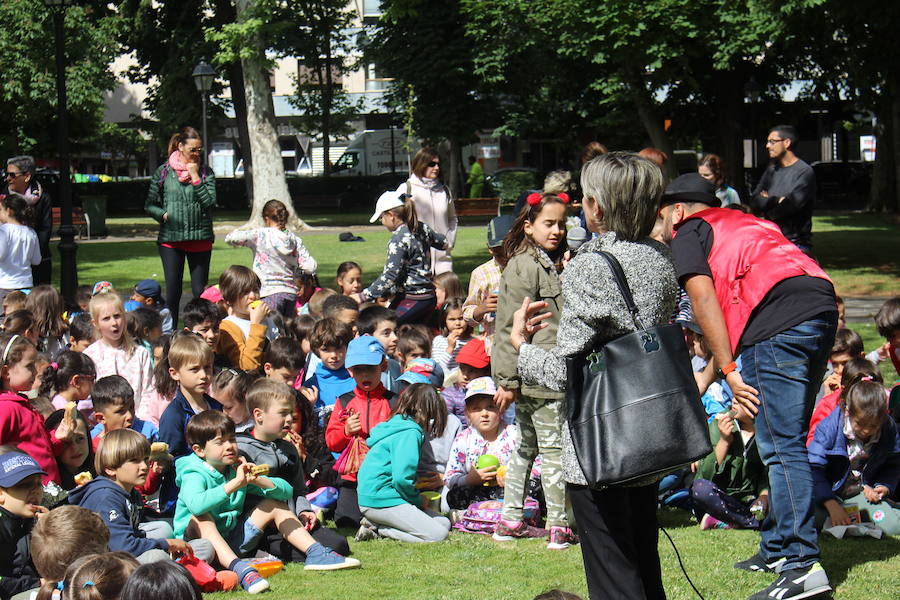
[{"x": 594, "y": 313}]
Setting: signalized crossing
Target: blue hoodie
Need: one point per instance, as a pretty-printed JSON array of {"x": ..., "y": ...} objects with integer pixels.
[
  {"x": 830, "y": 460},
  {"x": 332, "y": 385},
  {"x": 120, "y": 511},
  {"x": 388, "y": 473}
]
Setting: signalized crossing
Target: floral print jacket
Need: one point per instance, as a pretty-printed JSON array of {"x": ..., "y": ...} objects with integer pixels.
[{"x": 407, "y": 269}]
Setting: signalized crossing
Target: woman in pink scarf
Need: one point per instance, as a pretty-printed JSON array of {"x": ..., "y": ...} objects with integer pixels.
[{"x": 181, "y": 197}]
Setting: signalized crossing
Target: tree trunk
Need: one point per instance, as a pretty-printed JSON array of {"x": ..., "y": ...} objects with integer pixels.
[
  {"x": 653, "y": 123},
  {"x": 729, "y": 134},
  {"x": 882, "y": 192},
  {"x": 891, "y": 204},
  {"x": 269, "y": 182},
  {"x": 326, "y": 97},
  {"x": 238, "y": 98}
]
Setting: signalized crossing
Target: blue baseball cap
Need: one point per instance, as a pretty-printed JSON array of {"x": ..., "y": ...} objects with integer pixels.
[
  {"x": 16, "y": 466},
  {"x": 423, "y": 370},
  {"x": 364, "y": 350},
  {"x": 149, "y": 288}
]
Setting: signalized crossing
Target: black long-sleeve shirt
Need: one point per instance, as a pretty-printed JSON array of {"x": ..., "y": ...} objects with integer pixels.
[{"x": 796, "y": 184}]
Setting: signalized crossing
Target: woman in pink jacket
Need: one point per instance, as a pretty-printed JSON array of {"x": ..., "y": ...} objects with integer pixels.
[{"x": 434, "y": 204}]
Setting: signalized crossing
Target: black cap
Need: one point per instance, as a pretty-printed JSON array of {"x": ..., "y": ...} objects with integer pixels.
[
  {"x": 497, "y": 230},
  {"x": 691, "y": 187}
]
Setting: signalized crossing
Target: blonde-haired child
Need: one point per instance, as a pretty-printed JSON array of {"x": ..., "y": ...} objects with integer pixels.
[
  {"x": 115, "y": 353},
  {"x": 122, "y": 466}
]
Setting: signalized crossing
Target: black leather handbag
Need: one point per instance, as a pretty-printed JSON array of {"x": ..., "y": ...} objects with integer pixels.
[{"x": 633, "y": 406}]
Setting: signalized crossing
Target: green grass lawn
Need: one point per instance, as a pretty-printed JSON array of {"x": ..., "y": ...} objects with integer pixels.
[
  {"x": 474, "y": 567},
  {"x": 860, "y": 252}
]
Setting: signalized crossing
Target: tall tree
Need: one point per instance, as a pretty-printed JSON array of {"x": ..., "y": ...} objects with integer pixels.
[
  {"x": 317, "y": 33},
  {"x": 28, "y": 92},
  {"x": 422, "y": 45},
  {"x": 244, "y": 41}
]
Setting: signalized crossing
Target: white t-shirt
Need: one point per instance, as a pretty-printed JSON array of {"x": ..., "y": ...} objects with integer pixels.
[{"x": 19, "y": 249}]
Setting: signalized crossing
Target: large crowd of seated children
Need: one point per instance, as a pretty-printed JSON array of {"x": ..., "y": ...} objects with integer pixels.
[{"x": 283, "y": 417}]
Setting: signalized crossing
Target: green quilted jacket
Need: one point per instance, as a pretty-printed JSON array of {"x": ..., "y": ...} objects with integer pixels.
[{"x": 189, "y": 206}]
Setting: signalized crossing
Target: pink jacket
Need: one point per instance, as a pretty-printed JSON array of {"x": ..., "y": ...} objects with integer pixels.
[
  {"x": 435, "y": 208},
  {"x": 22, "y": 426},
  {"x": 135, "y": 369}
]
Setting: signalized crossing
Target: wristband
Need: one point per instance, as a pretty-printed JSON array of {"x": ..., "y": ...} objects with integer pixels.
[{"x": 724, "y": 371}]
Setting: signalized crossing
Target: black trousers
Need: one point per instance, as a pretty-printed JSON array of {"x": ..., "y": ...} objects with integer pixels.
[
  {"x": 173, "y": 270},
  {"x": 619, "y": 535},
  {"x": 42, "y": 274},
  {"x": 346, "y": 510}
]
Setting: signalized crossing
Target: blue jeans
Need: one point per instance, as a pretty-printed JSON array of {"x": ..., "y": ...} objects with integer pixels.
[{"x": 787, "y": 371}]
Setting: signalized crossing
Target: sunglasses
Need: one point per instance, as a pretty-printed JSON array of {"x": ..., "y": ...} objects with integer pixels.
[
  {"x": 433, "y": 163},
  {"x": 12, "y": 175}
]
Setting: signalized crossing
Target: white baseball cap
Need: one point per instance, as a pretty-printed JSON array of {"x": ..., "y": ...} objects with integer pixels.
[{"x": 387, "y": 201}]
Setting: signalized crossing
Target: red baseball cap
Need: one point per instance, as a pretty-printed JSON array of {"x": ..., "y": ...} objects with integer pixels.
[{"x": 474, "y": 355}]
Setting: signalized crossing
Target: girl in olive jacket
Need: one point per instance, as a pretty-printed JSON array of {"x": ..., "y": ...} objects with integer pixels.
[{"x": 535, "y": 245}]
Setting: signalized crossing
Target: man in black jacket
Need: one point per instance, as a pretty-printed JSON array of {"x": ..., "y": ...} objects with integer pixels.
[
  {"x": 20, "y": 497},
  {"x": 21, "y": 180},
  {"x": 787, "y": 190}
]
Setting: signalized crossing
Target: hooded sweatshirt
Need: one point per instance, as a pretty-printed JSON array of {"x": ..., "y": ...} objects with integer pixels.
[
  {"x": 284, "y": 462},
  {"x": 120, "y": 511},
  {"x": 202, "y": 491},
  {"x": 22, "y": 426},
  {"x": 388, "y": 474},
  {"x": 332, "y": 385}
]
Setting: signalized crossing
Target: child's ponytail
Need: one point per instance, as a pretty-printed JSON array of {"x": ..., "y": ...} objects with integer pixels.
[
  {"x": 407, "y": 213},
  {"x": 855, "y": 370},
  {"x": 277, "y": 212},
  {"x": 57, "y": 375},
  {"x": 98, "y": 576},
  {"x": 22, "y": 211},
  {"x": 48, "y": 588}
]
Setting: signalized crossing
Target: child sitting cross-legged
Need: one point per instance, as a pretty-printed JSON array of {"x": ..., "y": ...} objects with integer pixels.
[
  {"x": 122, "y": 466},
  {"x": 214, "y": 483},
  {"x": 271, "y": 442},
  {"x": 388, "y": 497},
  {"x": 355, "y": 414},
  {"x": 487, "y": 434},
  {"x": 855, "y": 459}
]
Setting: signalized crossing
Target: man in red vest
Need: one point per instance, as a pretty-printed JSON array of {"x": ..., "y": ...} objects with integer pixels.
[{"x": 763, "y": 303}]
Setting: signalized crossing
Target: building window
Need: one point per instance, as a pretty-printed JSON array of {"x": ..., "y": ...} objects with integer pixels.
[
  {"x": 309, "y": 76},
  {"x": 373, "y": 81},
  {"x": 371, "y": 8}
]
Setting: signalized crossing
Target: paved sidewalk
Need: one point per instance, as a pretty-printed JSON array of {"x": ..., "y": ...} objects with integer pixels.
[{"x": 862, "y": 309}]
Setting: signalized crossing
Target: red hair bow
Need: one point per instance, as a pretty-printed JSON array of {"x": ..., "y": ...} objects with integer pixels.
[{"x": 535, "y": 197}]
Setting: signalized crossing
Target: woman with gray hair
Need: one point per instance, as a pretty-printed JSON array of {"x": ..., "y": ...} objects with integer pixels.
[
  {"x": 20, "y": 180},
  {"x": 617, "y": 525}
]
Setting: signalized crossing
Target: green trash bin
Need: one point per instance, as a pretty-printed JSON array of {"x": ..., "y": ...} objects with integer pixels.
[{"x": 95, "y": 211}]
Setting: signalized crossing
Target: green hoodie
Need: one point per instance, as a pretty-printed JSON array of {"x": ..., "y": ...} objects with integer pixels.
[
  {"x": 388, "y": 473},
  {"x": 202, "y": 491}
]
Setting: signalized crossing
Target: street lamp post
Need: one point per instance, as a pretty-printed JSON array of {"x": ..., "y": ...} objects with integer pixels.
[
  {"x": 204, "y": 76},
  {"x": 68, "y": 269}
]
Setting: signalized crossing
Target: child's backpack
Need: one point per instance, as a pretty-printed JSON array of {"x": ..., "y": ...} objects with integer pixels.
[{"x": 483, "y": 516}]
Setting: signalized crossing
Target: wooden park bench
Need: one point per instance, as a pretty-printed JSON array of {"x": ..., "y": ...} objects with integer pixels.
[
  {"x": 80, "y": 220},
  {"x": 477, "y": 207}
]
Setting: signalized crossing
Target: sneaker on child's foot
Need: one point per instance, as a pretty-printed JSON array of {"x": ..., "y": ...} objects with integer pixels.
[
  {"x": 710, "y": 522},
  {"x": 253, "y": 582},
  {"x": 506, "y": 531},
  {"x": 795, "y": 584},
  {"x": 561, "y": 538},
  {"x": 323, "y": 558},
  {"x": 367, "y": 531},
  {"x": 757, "y": 564},
  {"x": 456, "y": 515}
]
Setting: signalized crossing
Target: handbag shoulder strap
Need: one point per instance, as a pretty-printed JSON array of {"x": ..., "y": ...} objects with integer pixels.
[{"x": 619, "y": 275}]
